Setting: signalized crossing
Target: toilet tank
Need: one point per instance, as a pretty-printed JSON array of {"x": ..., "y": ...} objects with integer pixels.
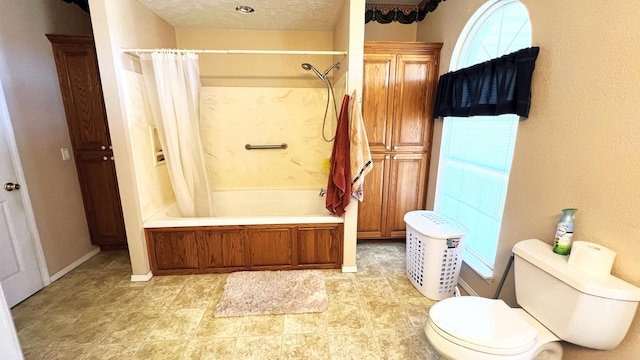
[{"x": 584, "y": 309}]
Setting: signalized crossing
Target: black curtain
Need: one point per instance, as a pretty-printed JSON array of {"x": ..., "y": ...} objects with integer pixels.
[{"x": 495, "y": 87}]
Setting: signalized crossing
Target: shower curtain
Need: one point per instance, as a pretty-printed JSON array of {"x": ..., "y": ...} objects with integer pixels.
[{"x": 172, "y": 80}]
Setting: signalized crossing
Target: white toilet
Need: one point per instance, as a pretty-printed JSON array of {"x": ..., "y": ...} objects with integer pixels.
[{"x": 558, "y": 302}]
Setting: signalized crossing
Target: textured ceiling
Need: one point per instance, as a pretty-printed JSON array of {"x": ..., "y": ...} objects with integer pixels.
[{"x": 269, "y": 14}]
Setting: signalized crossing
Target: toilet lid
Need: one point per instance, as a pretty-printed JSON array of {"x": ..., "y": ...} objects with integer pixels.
[{"x": 485, "y": 324}]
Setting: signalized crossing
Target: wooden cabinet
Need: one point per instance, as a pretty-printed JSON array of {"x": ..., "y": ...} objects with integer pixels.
[
  {"x": 395, "y": 186},
  {"x": 398, "y": 93},
  {"x": 219, "y": 249},
  {"x": 77, "y": 66}
]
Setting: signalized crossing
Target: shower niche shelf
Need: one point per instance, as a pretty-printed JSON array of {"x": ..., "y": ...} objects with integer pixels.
[{"x": 156, "y": 148}]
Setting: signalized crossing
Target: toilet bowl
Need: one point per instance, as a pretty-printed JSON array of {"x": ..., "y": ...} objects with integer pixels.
[{"x": 471, "y": 327}]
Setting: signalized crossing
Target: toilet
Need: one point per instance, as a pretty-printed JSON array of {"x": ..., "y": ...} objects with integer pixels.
[{"x": 558, "y": 302}]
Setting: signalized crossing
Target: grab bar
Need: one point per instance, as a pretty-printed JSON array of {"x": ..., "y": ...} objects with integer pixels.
[{"x": 263, "y": 147}]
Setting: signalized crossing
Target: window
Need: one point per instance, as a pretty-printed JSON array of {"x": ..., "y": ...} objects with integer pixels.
[{"x": 476, "y": 152}]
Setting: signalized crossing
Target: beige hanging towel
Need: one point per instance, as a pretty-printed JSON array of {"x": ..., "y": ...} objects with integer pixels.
[{"x": 360, "y": 155}]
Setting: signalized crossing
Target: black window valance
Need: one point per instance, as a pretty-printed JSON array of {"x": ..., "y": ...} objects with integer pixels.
[{"x": 495, "y": 87}]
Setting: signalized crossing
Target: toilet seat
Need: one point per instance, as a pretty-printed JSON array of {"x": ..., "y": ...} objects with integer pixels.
[{"x": 481, "y": 324}]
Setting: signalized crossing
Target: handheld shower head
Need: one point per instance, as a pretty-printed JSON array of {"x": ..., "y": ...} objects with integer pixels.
[
  {"x": 330, "y": 94},
  {"x": 310, "y": 67},
  {"x": 326, "y": 72}
]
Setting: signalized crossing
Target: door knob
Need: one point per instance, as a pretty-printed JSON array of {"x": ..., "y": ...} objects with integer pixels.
[{"x": 11, "y": 186}]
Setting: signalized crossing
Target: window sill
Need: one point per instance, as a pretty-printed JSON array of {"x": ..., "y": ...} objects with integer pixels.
[{"x": 484, "y": 271}]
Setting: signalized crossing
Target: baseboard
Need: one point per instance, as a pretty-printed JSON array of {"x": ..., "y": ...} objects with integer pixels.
[
  {"x": 141, "y": 278},
  {"x": 74, "y": 264},
  {"x": 466, "y": 287},
  {"x": 349, "y": 268}
]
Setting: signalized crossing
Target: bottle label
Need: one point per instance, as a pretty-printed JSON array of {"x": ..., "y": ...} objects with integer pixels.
[{"x": 562, "y": 243}]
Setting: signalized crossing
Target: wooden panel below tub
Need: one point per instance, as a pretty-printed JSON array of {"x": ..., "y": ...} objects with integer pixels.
[
  {"x": 175, "y": 250},
  {"x": 318, "y": 245},
  {"x": 271, "y": 247},
  {"x": 221, "y": 249}
]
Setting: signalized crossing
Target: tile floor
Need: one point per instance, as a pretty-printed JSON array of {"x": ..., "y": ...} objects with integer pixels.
[{"x": 95, "y": 312}]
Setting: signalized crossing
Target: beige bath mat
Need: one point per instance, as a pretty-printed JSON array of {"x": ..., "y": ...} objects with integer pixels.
[{"x": 272, "y": 292}]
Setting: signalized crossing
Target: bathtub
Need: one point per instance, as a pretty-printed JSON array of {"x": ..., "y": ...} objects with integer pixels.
[
  {"x": 250, "y": 230},
  {"x": 253, "y": 207}
]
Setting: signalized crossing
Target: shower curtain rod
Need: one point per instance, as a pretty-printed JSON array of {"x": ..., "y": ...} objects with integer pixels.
[{"x": 255, "y": 52}]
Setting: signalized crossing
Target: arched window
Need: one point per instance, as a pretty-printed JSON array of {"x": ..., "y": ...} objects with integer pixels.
[{"x": 476, "y": 152}]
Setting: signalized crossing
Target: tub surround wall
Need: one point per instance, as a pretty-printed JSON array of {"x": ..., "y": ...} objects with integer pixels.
[
  {"x": 263, "y": 99},
  {"x": 579, "y": 146},
  {"x": 234, "y": 116},
  {"x": 155, "y": 188}
]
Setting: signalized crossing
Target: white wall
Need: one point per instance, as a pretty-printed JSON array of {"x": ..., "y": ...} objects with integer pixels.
[
  {"x": 579, "y": 146},
  {"x": 349, "y": 34},
  {"x": 394, "y": 31},
  {"x": 121, "y": 24}
]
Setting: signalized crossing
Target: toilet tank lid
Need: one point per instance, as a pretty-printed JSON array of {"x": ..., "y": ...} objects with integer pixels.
[{"x": 541, "y": 255}]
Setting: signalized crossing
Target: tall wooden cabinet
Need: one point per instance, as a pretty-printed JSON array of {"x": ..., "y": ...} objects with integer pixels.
[
  {"x": 398, "y": 93},
  {"x": 77, "y": 66}
]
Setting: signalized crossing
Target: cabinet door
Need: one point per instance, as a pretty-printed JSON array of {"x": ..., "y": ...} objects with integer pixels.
[
  {"x": 407, "y": 190},
  {"x": 77, "y": 67},
  {"x": 101, "y": 199},
  {"x": 372, "y": 210},
  {"x": 223, "y": 249},
  {"x": 413, "y": 107},
  {"x": 172, "y": 251},
  {"x": 320, "y": 246},
  {"x": 81, "y": 89},
  {"x": 377, "y": 99},
  {"x": 269, "y": 247}
]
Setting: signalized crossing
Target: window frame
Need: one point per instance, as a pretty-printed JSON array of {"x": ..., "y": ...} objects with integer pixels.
[{"x": 465, "y": 42}]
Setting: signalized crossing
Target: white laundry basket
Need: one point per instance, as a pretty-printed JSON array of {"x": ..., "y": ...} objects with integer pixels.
[{"x": 435, "y": 244}]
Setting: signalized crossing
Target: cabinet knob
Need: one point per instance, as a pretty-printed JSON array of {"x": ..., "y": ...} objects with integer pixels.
[
  {"x": 103, "y": 147},
  {"x": 105, "y": 158},
  {"x": 110, "y": 147},
  {"x": 112, "y": 158},
  {"x": 388, "y": 147},
  {"x": 395, "y": 158},
  {"x": 395, "y": 148},
  {"x": 386, "y": 157}
]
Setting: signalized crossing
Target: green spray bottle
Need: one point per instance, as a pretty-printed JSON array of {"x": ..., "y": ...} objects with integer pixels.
[{"x": 564, "y": 232}]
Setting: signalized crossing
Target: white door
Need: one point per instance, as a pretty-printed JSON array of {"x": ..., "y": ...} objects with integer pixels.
[
  {"x": 9, "y": 344},
  {"x": 19, "y": 268}
]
